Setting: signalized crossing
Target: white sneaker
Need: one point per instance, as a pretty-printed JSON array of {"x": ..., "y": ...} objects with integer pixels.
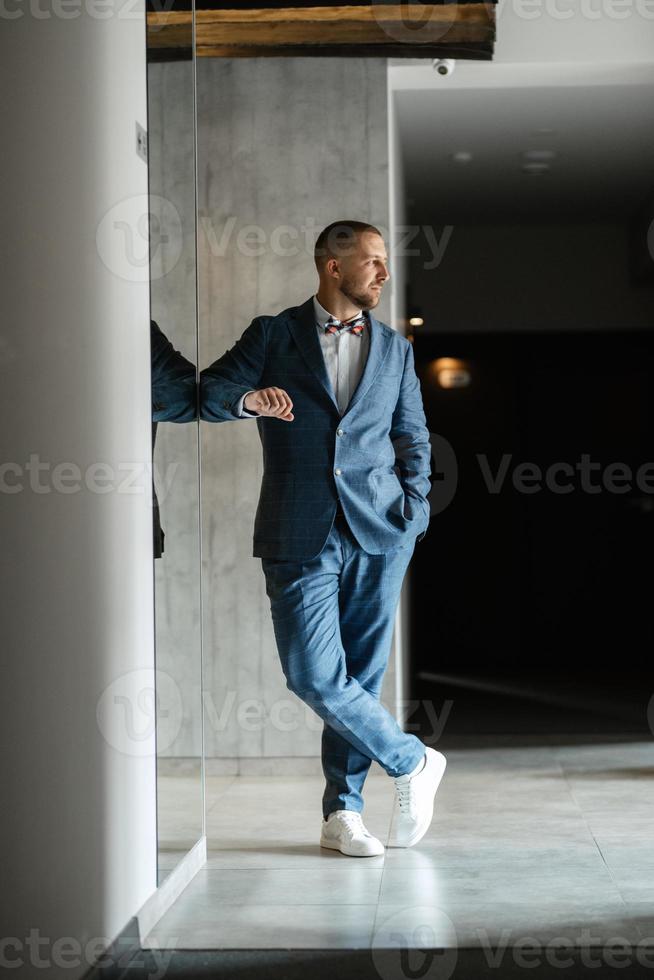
[
  {"x": 414, "y": 801},
  {"x": 344, "y": 831}
]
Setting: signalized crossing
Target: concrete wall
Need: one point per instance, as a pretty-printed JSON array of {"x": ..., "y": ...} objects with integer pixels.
[
  {"x": 173, "y": 303},
  {"x": 286, "y": 145},
  {"x": 78, "y": 773}
]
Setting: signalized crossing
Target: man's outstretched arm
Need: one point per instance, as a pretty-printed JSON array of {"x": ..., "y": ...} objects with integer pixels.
[
  {"x": 225, "y": 384},
  {"x": 174, "y": 388}
]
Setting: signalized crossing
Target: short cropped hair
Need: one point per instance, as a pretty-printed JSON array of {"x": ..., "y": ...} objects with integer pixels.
[{"x": 338, "y": 239}]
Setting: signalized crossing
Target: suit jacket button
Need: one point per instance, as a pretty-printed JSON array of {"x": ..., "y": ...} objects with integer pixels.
[
  {"x": 337, "y": 472},
  {"x": 339, "y": 432}
]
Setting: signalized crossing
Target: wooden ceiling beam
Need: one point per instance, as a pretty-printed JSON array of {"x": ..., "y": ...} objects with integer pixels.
[{"x": 461, "y": 30}]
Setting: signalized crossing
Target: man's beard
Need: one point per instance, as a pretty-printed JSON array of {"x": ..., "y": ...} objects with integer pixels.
[{"x": 365, "y": 300}]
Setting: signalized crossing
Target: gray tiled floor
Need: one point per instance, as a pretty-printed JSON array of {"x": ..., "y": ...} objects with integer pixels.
[{"x": 538, "y": 842}]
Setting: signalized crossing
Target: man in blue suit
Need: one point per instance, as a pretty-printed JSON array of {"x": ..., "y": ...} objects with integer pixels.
[{"x": 343, "y": 501}]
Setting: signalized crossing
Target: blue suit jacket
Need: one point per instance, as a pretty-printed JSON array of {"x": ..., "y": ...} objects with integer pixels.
[{"x": 380, "y": 444}]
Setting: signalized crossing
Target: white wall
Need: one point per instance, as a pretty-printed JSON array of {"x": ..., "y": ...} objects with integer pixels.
[
  {"x": 599, "y": 31},
  {"x": 78, "y": 818}
]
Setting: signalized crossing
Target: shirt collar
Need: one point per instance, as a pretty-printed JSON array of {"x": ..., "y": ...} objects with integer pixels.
[{"x": 323, "y": 315}]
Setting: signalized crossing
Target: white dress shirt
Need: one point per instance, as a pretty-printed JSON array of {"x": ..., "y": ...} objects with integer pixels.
[{"x": 345, "y": 356}]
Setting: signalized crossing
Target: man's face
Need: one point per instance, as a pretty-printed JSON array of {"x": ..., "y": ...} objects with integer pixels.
[{"x": 364, "y": 271}]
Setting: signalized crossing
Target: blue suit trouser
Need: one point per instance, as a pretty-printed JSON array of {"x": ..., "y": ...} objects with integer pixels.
[{"x": 333, "y": 619}]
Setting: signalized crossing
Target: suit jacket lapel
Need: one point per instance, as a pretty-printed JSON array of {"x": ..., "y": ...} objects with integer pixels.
[{"x": 302, "y": 325}]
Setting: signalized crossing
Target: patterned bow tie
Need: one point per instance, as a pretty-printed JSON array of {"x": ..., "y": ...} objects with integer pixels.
[{"x": 355, "y": 325}]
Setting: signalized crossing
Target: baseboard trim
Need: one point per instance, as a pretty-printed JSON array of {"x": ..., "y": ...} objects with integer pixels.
[
  {"x": 120, "y": 960},
  {"x": 170, "y": 889},
  {"x": 113, "y": 963}
]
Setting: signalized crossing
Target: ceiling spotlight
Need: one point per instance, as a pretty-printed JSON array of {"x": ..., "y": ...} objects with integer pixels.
[
  {"x": 535, "y": 169},
  {"x": 539, "y": 155},
  {"x": 414, "y": 315},
  {"x": 462, "y": 156}
]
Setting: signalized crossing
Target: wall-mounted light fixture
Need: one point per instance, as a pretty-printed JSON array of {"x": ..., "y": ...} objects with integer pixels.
[
  {"x": 537, "y": 162},
  {"x": 414, "y": 319},
  {"x": 450, "y": 372}
]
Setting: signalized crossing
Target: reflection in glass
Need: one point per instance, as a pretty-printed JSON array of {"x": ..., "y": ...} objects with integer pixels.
[
  {"x": 173, "y": 291},
  {"x": 174, "y": 399}
]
